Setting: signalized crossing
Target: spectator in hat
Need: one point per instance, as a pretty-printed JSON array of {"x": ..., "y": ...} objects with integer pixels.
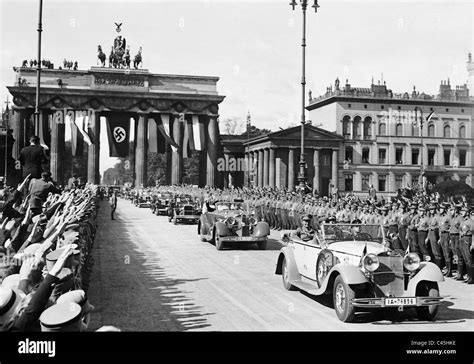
[
  {"x": 39, "y": 190},
  {"x": 32, "y": 158},
  {"x": 113, "y": 204},
  {"x": 305, "y": 232},
  {"x": 454, "y": 230}
]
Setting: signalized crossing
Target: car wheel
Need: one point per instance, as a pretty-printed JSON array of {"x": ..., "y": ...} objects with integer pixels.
[
  {"x": 217, "y": 240},
  {"x": 342, "y": 297},
  {"x": 323, "y": 266},
  {"x": 285, "y": 274},
  {"x": 427, "y": 289},
  {"x": 262, "y": 245}
]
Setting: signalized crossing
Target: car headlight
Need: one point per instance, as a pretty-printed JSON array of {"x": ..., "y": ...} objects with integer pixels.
[
  {"x": 411, "y": 261},
  {"x": 371, "y": 262}
]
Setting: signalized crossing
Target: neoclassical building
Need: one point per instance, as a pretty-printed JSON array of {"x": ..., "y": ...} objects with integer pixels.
[{"x": 385, "y": 143}]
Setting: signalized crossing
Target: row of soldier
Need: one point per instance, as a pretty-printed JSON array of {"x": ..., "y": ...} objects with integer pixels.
[
  {"x": 46, "y": 261},
  {"x": 437, "y": 231}
]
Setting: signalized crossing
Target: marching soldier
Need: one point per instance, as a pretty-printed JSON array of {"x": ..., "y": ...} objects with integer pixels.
[
  {"x": 423, "y": 227},
  {"x": 403, "y": 221}
]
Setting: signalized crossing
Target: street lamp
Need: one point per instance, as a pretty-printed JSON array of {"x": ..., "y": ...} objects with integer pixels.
[
  {"x": 38, "y": 69},
  {"x": 302, "y": 162}
]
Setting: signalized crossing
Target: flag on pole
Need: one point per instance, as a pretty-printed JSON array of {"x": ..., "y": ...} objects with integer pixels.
[{"x": 430, "y": 115}]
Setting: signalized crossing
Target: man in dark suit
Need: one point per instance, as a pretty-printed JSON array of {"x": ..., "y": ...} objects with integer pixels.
[{"x": 32, "y": 157}]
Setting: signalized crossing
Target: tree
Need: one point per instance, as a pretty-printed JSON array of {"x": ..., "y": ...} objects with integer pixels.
[
  {"x": 232, "y": 126},
  {"x": 456, "y": 189}
]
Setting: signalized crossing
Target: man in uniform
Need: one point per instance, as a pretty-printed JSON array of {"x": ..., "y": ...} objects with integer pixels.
[
  {"x": 444, "y": 223},
  {"x": 465, "y": 242},
  {"x": 456, "y": 220},
  {"x": 413, "y": 229},
  {"x": 433, "y": 236},
  {"x": 305, "y": 232},
  {"x": 423, "y": 227}
]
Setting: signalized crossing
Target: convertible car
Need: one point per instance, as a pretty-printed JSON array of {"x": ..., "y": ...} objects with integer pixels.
[
  {"x": 232, "y": 222},
  {"x": 184, "y": 209},
  {"x": 355, "y": 264}
]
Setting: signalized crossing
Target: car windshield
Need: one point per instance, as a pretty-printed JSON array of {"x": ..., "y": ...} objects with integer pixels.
[
  {"x": 223, "y": 206},
  {"x": 352, "y": 232}
]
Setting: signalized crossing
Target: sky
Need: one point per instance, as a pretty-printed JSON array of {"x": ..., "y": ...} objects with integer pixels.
[{"x": 253, "y": 46}]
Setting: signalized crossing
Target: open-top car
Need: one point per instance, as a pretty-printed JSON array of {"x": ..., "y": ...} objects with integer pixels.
[
  {"x": 184, "y": 209},
  {"x": 232, "y": 222},
  {"x": 162, "y": 203},
  {"x": 143, "y": 200},
  {"x": 354, "y": 263}
]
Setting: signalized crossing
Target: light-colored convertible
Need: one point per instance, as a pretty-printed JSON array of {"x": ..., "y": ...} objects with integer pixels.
[{"x": 354, "y": 263}]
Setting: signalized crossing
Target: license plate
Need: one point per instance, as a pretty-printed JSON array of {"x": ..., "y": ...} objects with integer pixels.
[
  {"x": 242, "y": 238},
  {"x": 405, "y": 301}
]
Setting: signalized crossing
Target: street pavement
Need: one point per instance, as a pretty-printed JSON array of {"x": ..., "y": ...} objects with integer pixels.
[{"x": 151, "y": 275}]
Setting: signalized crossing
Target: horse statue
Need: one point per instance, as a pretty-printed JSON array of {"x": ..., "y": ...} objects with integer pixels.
[
  {"x": 101, "y": 56},
  {"x": 112, "y": 58},
  {"x": 138, "y": 59},
  {"x": 126, "y": 58}
]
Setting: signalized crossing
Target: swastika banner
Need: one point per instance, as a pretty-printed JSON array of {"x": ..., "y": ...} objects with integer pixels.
[{"x": 118, "y": 129}]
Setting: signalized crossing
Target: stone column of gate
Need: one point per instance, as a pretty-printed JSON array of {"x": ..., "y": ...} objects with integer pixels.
[
  {"x": 176, "y": 159},
  {"x": 18, "y": 126},
  {"x": 316, "y": 170},
  {"x": 141, "y": 151},
  {"x": 291, "y": 168},
  {"x": 57, "y": 147},
  {"x": 271, "y": 167},
  {"x": 211, "y": 161},
  {"x": 93, "y": 150},
  {"x": 265, "y": 167},
  {"x": 260, "y": 168},
  {"x": 334, "y": 168}
]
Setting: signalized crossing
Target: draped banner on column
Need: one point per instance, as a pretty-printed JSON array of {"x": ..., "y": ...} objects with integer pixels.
[
  {"x": 196, "y": 133},
  {"x": 41, "y": 131},
  {"x": 73, "y": 134},
  {"x": 160, "y": 139},
  {"x": 118, "y": 129},
  {"x": 185, "y": 139},
  {"x": 152, "y": 136},
  {"x": 164, "y": 129},
  {"x": 80, "y": 120}
]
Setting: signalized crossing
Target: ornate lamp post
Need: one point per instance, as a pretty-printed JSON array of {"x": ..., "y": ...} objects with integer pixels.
[{"x": 302, "y": 162}]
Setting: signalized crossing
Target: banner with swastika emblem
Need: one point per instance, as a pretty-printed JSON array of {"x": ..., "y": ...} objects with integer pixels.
[{"x": 118, "y": 129}]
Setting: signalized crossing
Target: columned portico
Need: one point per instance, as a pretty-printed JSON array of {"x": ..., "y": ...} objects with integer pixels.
[
  {"x": 334, "y": 168},
  {"x": 260, "y": 168},
  {"x": 265, "y": 167},
  {"x": 57, "y": 149},
  {"x": 291, "y": 168},
  {"x": 316, "y": 170},
  {"x": 271, "y": 166},
  {"x": 176, "y": 154},
  {"x": 212, "y": 151}
]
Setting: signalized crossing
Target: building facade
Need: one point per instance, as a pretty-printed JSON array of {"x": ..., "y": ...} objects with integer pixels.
[{"x": 390, "y": 138}]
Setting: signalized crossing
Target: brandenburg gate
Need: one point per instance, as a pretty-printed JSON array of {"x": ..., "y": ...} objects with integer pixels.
[{"x": 170, "y": 101}]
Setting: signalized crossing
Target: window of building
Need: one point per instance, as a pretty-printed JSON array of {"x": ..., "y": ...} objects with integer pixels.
[
  {"x": 431, "y": 157},
  {"x": 447, "y": 131},
  {"x": 462, "y": 157},
  {"x": 365, "y": 182},
  {"x": 382, "y": 156},
  {"x": 365, "y": 155},
  {"x": 382, "y": 180},
  {"x": 462, "y": 110},
  {"x": 415, "y": 130},
  {"x": 325, "y": 160},
  {"x": 382, "y": 129},
  {"x": 399, "y": 108},
  {"x": 365, "y": 106},
  {"x": 348, "y": 182},
  {"x": 431, "y": 130},
  {"x": 399, "y": 129},
  {"x": 399, "y": 155},
  {"x": 349, "y": 105},
  {"x": 415, "y": 154},
  {"x": 447, "y": 157},
  {"x": 356, "y": 127},
  {"x": 447, "y": 110},
  {"x": 399, "y": 181},
  {"x": 462, "y": 132},
  {"x": 348, "y": 154},
  {"x": 382, "y": 107},
  {"x": 368, "y": 127},
  {"x": 345, "y": 126}
]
